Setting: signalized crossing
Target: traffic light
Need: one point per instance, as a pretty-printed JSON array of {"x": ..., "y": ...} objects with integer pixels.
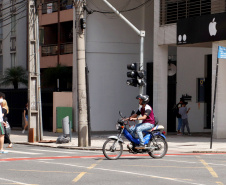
[
  {"x": 132, "y": 74},
  {"x": 137, "y": 77}
]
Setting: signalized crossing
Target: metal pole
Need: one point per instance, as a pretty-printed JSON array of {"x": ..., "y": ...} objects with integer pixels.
[
  {"x": 39, "y": 76},
  {"x": 121, "y": 16},
  {"x": 141, "y": 59},
  {"x": 140, "y": 33},
  {"x": 214, "y": 103}
]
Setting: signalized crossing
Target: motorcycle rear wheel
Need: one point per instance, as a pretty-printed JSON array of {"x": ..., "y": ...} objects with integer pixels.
[
  {"x": 112, "y": 149},
  {"x": 162, "y": 147}
]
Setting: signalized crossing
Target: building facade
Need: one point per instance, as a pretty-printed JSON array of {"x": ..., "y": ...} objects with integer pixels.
[{"x": 13, "y": 33}]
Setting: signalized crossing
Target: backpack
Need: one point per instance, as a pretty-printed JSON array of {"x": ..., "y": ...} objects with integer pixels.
[{"x": 175, "y": 111}]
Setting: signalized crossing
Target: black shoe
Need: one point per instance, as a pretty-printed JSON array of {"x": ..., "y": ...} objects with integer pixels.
[{"x": 140, "y": 147}]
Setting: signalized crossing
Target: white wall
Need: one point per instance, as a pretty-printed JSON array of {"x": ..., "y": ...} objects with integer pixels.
[
  {"x": 111, "y": 45},
  {"x": 190, "y": 66}
]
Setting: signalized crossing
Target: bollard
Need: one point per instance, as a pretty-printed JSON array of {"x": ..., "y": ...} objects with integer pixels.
[
  {"x": 31, "y": 135},
  {"x": 65, "y": 125}
]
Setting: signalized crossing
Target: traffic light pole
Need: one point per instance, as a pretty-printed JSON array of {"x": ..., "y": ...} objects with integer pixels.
[{"x": 141, "y": 33}]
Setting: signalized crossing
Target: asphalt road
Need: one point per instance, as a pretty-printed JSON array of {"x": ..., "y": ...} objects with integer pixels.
[{"x": 50, "y": 166}]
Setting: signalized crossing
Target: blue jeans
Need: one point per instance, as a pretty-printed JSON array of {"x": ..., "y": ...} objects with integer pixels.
[
  {"x": 179, "y": 124},
  {"x": 139, "y": 128}
]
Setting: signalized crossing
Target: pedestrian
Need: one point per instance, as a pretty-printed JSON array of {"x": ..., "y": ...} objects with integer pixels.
[
  {"x": 144, "y": 113},
  {"x": 5, "y": 111},
  {"x": 25, "y": 117},
  {"x": 2, "y": 125},
  {"x": 183, "y": 111},
  {"x": 178, "y": 106}
]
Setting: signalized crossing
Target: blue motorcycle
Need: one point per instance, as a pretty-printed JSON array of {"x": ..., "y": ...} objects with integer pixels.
[{"x": 154, "y": 140}]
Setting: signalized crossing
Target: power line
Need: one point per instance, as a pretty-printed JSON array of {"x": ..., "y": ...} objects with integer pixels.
[
  {"x": 122, "y": 11},
  {"x": 14, "y": 14},
  {"x": 13, "y": 5}
]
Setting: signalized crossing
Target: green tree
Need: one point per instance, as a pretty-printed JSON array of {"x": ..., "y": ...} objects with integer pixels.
[{"x": 14, "y": 76}]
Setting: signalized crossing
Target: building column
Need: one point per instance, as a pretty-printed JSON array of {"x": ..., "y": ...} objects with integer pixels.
[
  {"x": 220, "y": 106},
  {"x": 160, "y": 72}
]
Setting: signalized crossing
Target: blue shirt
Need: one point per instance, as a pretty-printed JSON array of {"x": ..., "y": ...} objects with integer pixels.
[{"x": 183, "y": 112}]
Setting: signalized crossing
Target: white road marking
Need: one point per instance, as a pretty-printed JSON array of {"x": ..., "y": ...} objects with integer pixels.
[
  {"x": 20, "y": 152},
  {"x": 16, "y": 182},
  {"x": 194, "y": 162},
  {"x": 126, "y": 172}
]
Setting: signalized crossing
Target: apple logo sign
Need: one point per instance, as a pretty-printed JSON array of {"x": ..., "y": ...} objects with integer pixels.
[
  {"x": 184, "y": 37},
  {"x": 212, "y": 28},
  {"x": 179, "y": 38}
]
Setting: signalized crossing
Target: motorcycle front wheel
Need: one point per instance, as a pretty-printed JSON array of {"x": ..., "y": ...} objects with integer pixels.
[
  {"x": 112, "y": 149},
  {"x": 159, "y": 145}
]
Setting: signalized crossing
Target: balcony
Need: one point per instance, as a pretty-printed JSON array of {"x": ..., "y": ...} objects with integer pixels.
[
  {"x": 52, "y": 6},
  {"x": 51, "y": 50}
]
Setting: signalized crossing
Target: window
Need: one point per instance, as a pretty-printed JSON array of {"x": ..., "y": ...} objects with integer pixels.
[
  {"x": 173, "y": 10},
  {"x": 1, "y": 65},
  {"x": 13, "y": 44},
  {"x": 0, "y": 47},
  {"x": 13, "y": 59},
  {"x": 13, "y": 25},
  {"x": 1, "y": 32}
]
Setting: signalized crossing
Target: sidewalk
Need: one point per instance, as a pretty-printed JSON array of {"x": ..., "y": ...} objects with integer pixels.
[{"x": 197, "y": 143}]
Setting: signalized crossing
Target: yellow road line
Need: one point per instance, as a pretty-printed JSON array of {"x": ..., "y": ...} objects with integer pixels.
[
  {"x": 212, "y": 172},
  {"x": 76, "y": 179},
  {"x": 92, "y": 166}
]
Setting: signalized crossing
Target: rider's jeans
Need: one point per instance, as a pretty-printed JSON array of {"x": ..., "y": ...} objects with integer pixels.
[{"x": 139, "y": 128}]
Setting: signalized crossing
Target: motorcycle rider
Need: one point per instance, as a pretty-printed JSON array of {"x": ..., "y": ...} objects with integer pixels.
[{"x": 144, "y": 113}]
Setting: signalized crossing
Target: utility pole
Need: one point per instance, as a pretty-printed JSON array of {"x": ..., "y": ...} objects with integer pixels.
[
  {"x": 34, "y": 89},
  {"x": 81, "y": 71}
]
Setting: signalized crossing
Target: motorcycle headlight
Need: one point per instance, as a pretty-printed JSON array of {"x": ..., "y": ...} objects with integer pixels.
[{"x": 118, "y": 126}]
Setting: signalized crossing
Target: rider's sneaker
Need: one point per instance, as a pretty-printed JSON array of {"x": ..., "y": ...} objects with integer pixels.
[{"x": 140, "y": 147}]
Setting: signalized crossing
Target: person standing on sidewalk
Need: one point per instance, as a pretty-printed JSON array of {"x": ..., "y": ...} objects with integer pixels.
[
  {"x": 178, "y": 106},
  {"x": 2, "y": 125},
  {"x": 183, "y": 111},
  {"x": 5, "y": 111},
  {"x": 25, "y": 117}
]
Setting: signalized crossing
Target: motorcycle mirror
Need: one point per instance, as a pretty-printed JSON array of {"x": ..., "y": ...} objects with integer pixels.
[
  {"x": 120, "y": 113},
  {"x": 133, "y": 112}
]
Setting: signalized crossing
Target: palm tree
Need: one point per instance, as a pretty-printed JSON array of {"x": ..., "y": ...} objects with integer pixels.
[{"x": 14, "y": 76}]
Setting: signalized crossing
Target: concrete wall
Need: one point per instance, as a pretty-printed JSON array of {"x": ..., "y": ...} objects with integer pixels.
[
  {"x": 190, "y": 66},
  {"x": 111, "y": 45},
  {"x": 61, "y": 99}
]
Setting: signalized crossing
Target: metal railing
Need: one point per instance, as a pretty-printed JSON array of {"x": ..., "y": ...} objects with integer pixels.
[
  {"x": 173, "y": 10},
  {"x": 52, "y": 6},
  {"x": 51, "y": 50},
  {"x": 66, "y": 48}
]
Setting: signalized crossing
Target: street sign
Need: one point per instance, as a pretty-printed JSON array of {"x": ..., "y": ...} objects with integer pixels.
[{"x": 221, "y": 52}]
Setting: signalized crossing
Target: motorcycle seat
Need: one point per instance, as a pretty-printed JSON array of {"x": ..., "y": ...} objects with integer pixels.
[{"x": 156, "y": 128}]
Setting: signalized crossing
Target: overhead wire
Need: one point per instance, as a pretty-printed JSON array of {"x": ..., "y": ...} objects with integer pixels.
[
  {"x": 2, "y": 19},
  {"x": 121, "y": 11}
]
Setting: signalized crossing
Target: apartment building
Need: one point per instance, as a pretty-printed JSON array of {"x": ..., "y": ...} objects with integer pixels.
[
  {"x": 13, "y": 33},
  {"x": 56, "y": 23}
]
